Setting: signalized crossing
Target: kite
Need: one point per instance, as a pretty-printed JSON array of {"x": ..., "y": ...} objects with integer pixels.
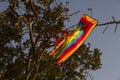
[{"x": 72, "y": 40}]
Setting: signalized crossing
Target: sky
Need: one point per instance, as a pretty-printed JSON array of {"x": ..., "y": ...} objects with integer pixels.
[{"x": 109, "y": 42}]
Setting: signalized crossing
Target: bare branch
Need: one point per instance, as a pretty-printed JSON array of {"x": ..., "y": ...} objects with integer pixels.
[
  {"x": 105, "y": 29},
  {"x": 28, "y": 75},
  {"x": 109, "y": 23},
  {"x": 6, "y": 11},
  {"x": 113, "y": 18},
  {"x": 74, "y": 13},
  {"x": 34, "y": 12},
  {"x": 116, "y": 28},
  {"x": 90, "y": 9}
]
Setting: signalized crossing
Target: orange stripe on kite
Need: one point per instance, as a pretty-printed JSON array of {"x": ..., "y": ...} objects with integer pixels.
[{"x": 57, "y": 47}]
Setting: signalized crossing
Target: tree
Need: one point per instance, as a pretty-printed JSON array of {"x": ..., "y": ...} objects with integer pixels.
[{"x": 26, "y": 36}]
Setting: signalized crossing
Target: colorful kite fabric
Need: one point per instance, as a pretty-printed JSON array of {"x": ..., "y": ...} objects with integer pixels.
[
  {"x": 74, "y": 40},
  {"x": 60, "y": 42}
]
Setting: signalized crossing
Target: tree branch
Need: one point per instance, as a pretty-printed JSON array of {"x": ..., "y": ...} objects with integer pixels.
[
  {"x": 31, "y": 34},
  {"x": 34, "y": 12},
  {"x": 28, "y": 75},
  {"x": 108, "y": 23},
  {"x": 74, "y": 13}
]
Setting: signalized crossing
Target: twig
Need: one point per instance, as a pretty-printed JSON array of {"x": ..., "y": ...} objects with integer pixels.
[
  {"x": 34, "y": 12},
  {"x": 90, "y": 9},
  {"x": 72, "y": 26},
  {"x": 111, "y": 22},
  {"x": 43, "y": 50},
  {"x": 28, "y": 75},
  {"x": 105, "y": 29},
  {"x": 116, "y": 28},
  {"x": 6, "y": 11},
  {"x": 74, "y": 13}
]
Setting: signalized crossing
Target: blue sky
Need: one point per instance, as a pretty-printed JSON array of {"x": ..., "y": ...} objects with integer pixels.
[{"x": 109, "y": 42}]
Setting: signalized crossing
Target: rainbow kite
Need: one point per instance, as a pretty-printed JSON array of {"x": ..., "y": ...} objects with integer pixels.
[{"x": 72, "y": 41}]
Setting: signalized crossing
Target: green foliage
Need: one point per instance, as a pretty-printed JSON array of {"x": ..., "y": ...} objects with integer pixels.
[{"x": 27, "y": 31}]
